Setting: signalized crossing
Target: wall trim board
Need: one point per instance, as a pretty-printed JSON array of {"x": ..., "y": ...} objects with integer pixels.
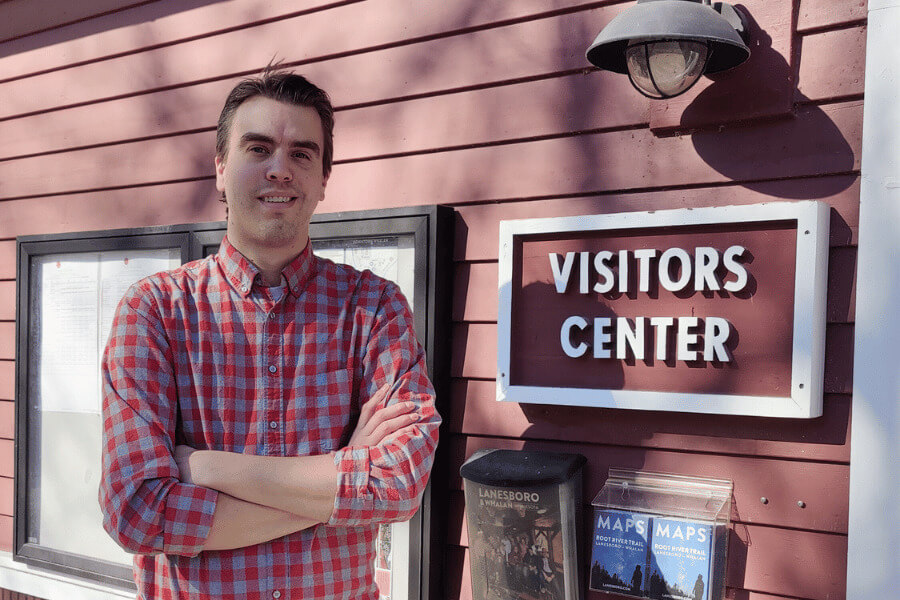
[
  {"x": 22, "y": 578},
  {"x": 874, "y": 470}
]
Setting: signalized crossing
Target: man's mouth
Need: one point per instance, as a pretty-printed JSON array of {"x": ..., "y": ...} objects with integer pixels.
[{"x": 276, "y": 199}]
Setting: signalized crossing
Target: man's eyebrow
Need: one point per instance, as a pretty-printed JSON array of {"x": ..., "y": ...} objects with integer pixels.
[{"x": 250, "y": 137}]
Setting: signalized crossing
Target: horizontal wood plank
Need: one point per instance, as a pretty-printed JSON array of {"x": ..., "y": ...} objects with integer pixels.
[
  {"x": 823, "y": 487},
  {"x": 818, "y": 142},
  {"x": 7, "y": 300},
  {"x": 7, "y": 458},
  {"x": 474, "y": 354},
  {"x": 841, "y": 68},
  {"x": 167, "y": 204},
  {"x": 130, "y": 164},
  {"x": 7, "y": 380},
  {"x": 7, "y": 419},
  {"x": 817, "y": 14},
  {"x": 477, "y": 227},
  {"x": 763, "y": 564},
  {"x": 6, "y": 533},
  {"x": 475, "y": 296},
  {"x": 788, "y": 562},
  {"x": 554, "y": 44},
  {"x": 474, "y": 410},
  {"x": 129, "y": 29},
  {"x": 8, "y": 259},
  {"x": 7, "y": 496},
  {"x": 7, "y": 340},
  {"x": 19, "y": 17}
]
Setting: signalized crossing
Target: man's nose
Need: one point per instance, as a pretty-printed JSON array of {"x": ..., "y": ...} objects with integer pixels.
[{"x": 278, "y": 169}]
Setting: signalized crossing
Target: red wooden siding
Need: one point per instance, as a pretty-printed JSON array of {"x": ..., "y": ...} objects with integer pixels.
[
  {"x": 6, "y": 531},
  {"x": 7, "y": 340},
  {"x": 21, "y": 18},
  {"x": 108, "y": 121},
  {"x": 7, "y": 380},
  {"x": 8, "y": 595},
  {"x": 820, "y": 14}
]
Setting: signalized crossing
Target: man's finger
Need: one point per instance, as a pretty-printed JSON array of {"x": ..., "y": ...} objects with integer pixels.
[
  {"x": 391, "y": 426},
  {"x": 388, "y": 412},
  {"x": 374, "y": 423}
]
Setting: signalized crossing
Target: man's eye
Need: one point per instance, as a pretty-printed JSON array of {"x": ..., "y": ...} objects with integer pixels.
[
  {"x": 301, "y": 155},
  {"x": 258, "y": 149}
]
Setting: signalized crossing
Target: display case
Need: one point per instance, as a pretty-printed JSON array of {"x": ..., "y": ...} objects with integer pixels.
[
  {"x": 660, "y": 536},
  {"x": 524, "y": 515},
  {"x": 68, "y": 288}
]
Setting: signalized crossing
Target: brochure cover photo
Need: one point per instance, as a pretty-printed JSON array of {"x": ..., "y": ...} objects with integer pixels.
[
  {"x": 680, "y": 559},
  {"x": 516, "y": 546},
  {"x": 619, "y": 554}
]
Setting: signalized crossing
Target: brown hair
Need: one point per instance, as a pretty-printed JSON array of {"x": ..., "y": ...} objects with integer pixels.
[{"x": 283, "y": 86}]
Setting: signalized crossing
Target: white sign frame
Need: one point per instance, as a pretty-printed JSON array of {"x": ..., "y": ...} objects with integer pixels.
[{"x": 810, "y": 293}]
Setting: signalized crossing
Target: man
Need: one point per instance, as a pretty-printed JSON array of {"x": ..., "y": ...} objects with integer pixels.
[{"x": 264, "y": 409}]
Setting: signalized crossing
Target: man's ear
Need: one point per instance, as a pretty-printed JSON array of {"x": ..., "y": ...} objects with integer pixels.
[
  {"x": 220, "y": 173},
  {"x": 324, "y": 183}
]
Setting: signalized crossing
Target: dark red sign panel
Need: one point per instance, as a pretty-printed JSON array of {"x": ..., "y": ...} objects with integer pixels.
[{"x": 703, "y": 309}]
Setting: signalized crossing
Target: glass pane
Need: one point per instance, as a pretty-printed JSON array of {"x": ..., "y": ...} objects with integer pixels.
[
  {"x": 665, "y": 69},
  {"x": 676, "y": 65},
  {"x": 639, "y": 71},
  {"x": 74, "y": 299},
  {"x": 391, "y": 257}
]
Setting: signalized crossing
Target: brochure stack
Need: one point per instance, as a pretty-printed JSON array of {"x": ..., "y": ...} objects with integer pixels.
[{"x": 660, "y": 536}]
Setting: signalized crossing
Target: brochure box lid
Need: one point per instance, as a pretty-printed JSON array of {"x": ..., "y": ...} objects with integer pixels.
[
  {"x": 667, "y": 494},
  {"x": 518, "y": 468}
]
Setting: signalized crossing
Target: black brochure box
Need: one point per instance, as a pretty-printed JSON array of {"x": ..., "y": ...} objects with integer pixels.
[{"x": 524, "y": 518}]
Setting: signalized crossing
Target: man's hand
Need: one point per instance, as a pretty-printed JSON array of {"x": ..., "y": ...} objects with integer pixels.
[{"x": 376, "y": 424}]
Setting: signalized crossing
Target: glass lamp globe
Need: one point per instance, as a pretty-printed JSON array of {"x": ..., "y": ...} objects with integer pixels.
[{"x": 667, "y": 68}]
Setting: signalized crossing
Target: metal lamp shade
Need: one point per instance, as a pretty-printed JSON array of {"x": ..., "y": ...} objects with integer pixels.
[{"x": 658, "y": 20}]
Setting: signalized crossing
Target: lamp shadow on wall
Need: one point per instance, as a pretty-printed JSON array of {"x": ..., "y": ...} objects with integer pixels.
[{"x": 734, "y": 138}]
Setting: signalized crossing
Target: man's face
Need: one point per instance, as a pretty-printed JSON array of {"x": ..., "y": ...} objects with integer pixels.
[{"x": 272, "y": 175}]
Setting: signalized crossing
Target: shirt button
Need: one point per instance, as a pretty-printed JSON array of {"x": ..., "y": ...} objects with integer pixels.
[
  {"x": 272, "y": 368},
  {"x": 271, "y": 315},
  {"x": 276, "y": 594},
  {"x": 273, "y": 424}
]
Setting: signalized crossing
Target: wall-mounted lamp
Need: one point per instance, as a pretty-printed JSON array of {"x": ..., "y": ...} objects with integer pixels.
[{"x": 666, "y": 45}]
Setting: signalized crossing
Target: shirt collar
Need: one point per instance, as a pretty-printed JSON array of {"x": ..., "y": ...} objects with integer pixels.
[{"x": 242, "y": 273}]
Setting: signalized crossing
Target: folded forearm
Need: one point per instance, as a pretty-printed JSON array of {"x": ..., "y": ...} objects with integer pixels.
[
  {"x": 237, "y": 523},
  {"x": 304, "y": 486}
]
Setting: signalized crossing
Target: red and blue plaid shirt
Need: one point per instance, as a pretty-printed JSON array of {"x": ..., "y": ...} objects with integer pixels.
[{"x": 204, "y": 356}]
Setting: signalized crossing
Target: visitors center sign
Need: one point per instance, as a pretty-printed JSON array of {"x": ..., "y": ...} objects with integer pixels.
[{"x": 715, "y": 310}]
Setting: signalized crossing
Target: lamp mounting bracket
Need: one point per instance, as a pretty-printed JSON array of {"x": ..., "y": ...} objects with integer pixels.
[{"x": 735, "y": 18}]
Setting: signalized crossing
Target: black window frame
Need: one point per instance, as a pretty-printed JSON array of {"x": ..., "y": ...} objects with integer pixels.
[{"x": 432, "y": 228}]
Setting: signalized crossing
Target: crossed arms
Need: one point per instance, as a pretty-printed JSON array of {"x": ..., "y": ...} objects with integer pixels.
[
  {"x": 157, "y": 496},
  {"x": 265, "y": 497}
]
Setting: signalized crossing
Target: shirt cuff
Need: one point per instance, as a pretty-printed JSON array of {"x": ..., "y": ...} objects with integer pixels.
[
  {"x": 353, "y": 503},
  {"x": 189, "y": 517}
]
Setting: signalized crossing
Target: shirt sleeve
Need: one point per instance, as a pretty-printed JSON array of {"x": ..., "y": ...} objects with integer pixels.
[
  {"x": 384, "y": 483},
  {"x": 146, "y": 509}
]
